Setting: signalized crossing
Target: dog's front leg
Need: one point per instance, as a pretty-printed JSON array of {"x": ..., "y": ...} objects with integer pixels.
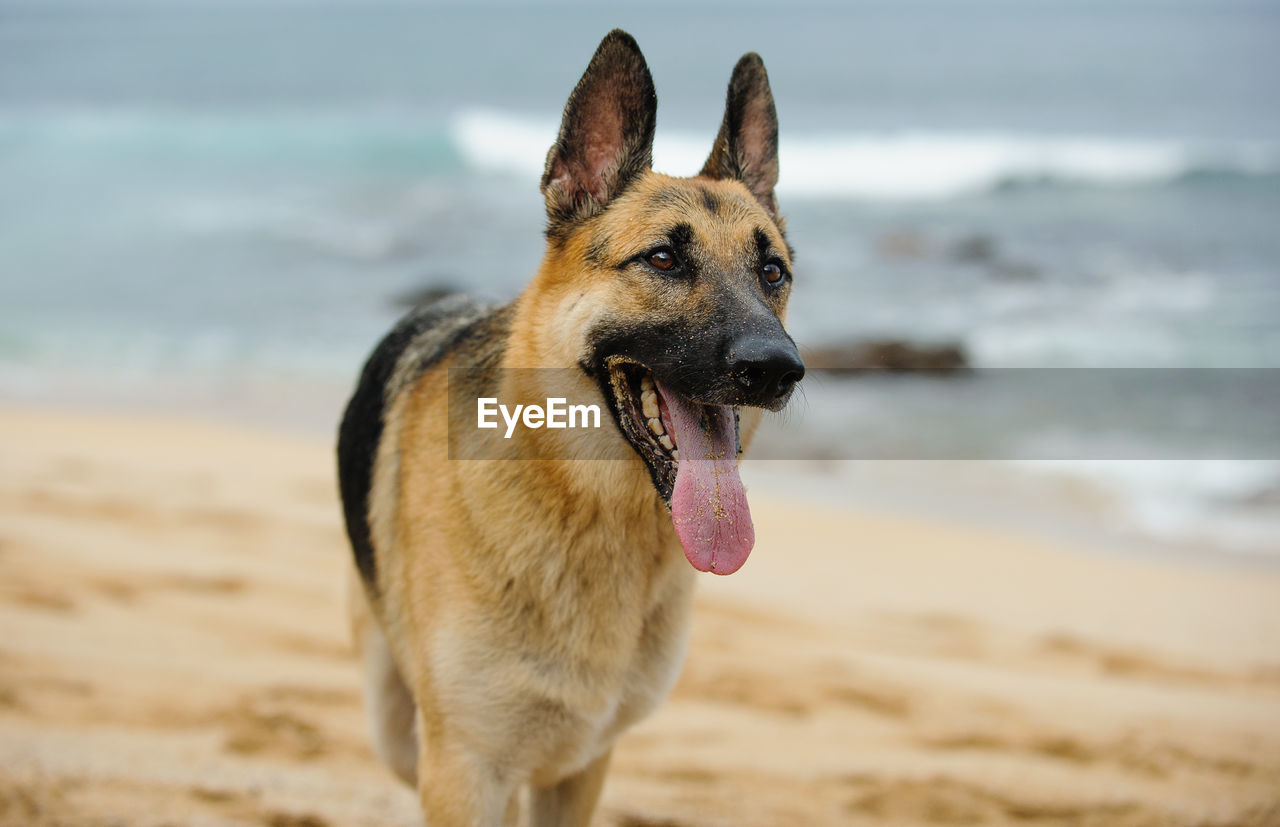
[
  {"x": 571, "y": 802},
  {"x": 461, "y": 789}
]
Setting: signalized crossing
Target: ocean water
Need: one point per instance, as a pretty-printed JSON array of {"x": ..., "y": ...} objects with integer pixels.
[{"x": 216, "y": 205}]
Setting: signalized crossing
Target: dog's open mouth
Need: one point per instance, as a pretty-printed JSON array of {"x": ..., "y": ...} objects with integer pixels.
[{"x": 692, "y": 453}]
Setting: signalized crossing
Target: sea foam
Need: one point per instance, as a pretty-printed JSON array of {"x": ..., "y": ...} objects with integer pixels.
[{"x": 906, "y": 165}]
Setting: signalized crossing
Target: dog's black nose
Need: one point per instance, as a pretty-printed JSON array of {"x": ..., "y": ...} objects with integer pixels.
[{"x": 765, "y": 368}]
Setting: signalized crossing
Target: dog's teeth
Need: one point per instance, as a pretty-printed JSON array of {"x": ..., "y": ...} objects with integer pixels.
[
  {"x": 649, "y": 403},
  {"x": 655, "y": 425},
  {"x": 665, "y": 442},
  {"x": 675, "y": 454},
  {"x": 646, "y": 382}
]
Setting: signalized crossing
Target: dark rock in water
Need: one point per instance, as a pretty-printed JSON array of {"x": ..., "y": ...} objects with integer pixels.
[
  {"x": 974, "y": 249},
  {"x": 1015, "y": 271},
  {"x": 424, "y": 295},
  {"x": 889, "y": 355},
  {"x": 903, "y": 245},
  {"x": 982, "y": 249}
]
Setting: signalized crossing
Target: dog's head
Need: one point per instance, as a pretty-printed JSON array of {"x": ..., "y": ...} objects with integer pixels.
[{"x": 690, "y": 279}]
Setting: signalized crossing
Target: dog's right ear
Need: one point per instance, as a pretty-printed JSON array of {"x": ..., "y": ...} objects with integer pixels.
[{"x": 606, "y": 136}]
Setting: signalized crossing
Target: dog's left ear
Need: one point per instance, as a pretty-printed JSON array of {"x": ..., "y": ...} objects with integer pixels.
[
  {"x": 747, "y": 147},
  {"x": 606, "y": 136}
]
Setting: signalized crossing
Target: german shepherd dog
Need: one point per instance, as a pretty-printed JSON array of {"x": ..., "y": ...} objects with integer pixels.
[{"x": 515, "y": 617}]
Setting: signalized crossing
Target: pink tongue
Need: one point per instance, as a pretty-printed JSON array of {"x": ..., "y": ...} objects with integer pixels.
[{"x": 709, "y": 504}]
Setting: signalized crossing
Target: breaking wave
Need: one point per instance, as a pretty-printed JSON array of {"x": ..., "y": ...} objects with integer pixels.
[
  {"x": 900, "y": 165},
  {"x": 870, "y": 166}
]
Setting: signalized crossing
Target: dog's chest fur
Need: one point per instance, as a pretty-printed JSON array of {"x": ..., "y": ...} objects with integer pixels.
[
  {"x": 571, "y": 631},
  {"x": 569, "y": 659}
]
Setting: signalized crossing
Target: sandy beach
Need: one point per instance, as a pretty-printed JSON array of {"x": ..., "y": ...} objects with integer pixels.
[{"x": 173, "y": 651}]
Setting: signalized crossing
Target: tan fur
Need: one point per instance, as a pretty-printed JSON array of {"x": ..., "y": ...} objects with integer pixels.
[
  {"x": 530, "y": 611},
  {"x": 601, "y": 612}
]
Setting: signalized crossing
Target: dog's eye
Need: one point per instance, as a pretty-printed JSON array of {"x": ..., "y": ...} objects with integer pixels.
[
  {"x": 773, "y": 273},
  {"x": 662, "y": 259}
]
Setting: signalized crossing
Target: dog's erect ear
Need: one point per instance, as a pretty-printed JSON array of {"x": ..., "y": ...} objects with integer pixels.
[
  {"x": 747, "y": 147},
  {"x": 606, "y": 136}
]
